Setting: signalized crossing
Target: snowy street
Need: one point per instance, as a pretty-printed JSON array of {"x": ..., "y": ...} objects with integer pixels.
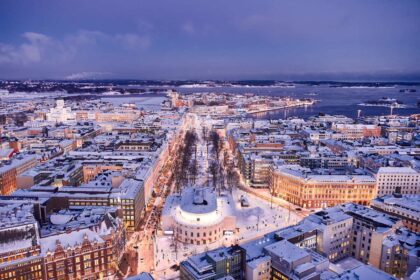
[{"x": 259, "y": 218}]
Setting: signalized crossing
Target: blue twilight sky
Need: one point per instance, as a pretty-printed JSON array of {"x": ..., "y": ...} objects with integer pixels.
[{"x": 215, "y": 39}]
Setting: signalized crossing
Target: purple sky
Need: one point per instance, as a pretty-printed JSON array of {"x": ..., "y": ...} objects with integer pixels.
[{"x": 197, "y": 39}]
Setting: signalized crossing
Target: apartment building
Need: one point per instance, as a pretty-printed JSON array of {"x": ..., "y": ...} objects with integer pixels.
[
  {"x": 216, "y": 264},
  {"x": 405, "y": 207},
  {"x": 302, "y": 187},
  {"x": 10, "y": 170},
  {"x": 357, "y": 131},
  {"x": 403, "y": 180},
  {"x": 20, "y": 250}
]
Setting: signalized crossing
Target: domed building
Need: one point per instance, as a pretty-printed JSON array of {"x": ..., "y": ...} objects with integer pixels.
[{"x": 198, "y": 216}]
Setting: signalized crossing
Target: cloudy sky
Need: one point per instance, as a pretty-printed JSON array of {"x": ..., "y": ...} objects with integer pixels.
[{"x": 197, "y": 39}]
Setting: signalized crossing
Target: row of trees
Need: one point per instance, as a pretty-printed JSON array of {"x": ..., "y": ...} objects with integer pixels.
[
  {"x": 220, "y": 170},
  {"x": 185, "y": 165}
]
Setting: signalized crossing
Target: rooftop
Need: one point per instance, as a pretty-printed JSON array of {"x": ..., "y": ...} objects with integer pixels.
[
  {"x": 198, "y": 200},
  {"x": 364, "y": 272},
  {"x": 397, "y": 170},
  {"x": 380, "y": 219},
  {"x": 408, "y": 202},
  {"x": 286, "y": 251}
]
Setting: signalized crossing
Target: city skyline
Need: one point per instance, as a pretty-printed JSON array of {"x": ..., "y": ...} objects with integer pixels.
[
  {"x": 142, "y": 181},
  {"x": 281, "y": 40},
  {"x": 210, "y": 140}
]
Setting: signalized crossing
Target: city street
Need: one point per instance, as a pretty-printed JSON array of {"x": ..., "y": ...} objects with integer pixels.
[
  {"x": 152, "y": 251},
  {"x": 260, "y": 218}
]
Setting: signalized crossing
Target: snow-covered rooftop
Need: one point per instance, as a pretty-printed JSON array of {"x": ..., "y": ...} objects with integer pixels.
[
  {"x": 286, "y": 251},
  {"x": 198, "y": 200},
  {"x": 72, "y": 239}
]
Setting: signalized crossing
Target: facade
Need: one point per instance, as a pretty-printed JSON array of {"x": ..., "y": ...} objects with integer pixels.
[
  {"x": 357, "y": 131},
  {"x": 71, "y": 244},
  {"x": 11, "y": 170},
  {"x": 400, "y": 255},
  {"x": 349, "y": 241},
  {"x": 337, "y": 163},
  {"x": 405, "y": 207},
  {"x": 210, "y": 110},
  {"x": 403, "y": 180},
  {"x": 60, "y": 113},
  {"x": 82, "y": 254},
  {"x": 128, "y": 197},
  {"x": 215, "y": 264},
  {"x": 198, "y": 216},
  {"x": 300, "y": 187},
  {"x": 260, "y": 172},
  {"x": 274, "y": 256},
  {"x": 333, "y": 233},
  {"x": 7, "y": 180},
  {"x": 137, "y": 145},
  {"x": 20, "y": 250},
  {"x": 369, "y": 228},
  {"x": 291, "y": 262},
  {"x": 119, "y": 116},
  {"x": 259, "y": 268}
]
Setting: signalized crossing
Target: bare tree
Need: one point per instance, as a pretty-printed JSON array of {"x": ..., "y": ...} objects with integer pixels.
[
  {"x": 214, "y": 170},
  {"x": 221, "y": 179},
  {"x": 193, "y": 171},
  {"x": 175, "y": 241},
  {"x": 215, "y": 141},
  {"x": 204, "y": 132},
  {"x": 185, "y": 170}
]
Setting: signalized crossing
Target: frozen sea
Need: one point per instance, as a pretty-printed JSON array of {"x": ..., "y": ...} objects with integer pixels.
[
  {"x": 146, "y": 102},
  {"x": 332, "y": 100}
]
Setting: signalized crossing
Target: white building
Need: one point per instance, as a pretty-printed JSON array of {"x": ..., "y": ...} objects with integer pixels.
[
  {"x": 404, "y": 180},
  {"x": 334, "y": 229},
  {"x": 60, "y": 113},
  {"x": 198, "y": 216}
]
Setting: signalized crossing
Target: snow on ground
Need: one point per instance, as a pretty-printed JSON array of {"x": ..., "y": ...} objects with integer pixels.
[{"x": 252, "y": 222}]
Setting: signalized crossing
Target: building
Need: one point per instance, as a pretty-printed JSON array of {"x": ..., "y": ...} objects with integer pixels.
[
  {"x": 400, "y": 255},
  {"x": 304, "y": 188},
  {"x": 363, "y": 272},
  {"x": 10, "y": 170},
  {"x": 215, "y": 264},
  {"x": 127, "y": 196},
  {"x": 291, "y": 262},
  {"x": 405, "y": 207},
  {"x": 60, "y": 113},
  {"x": 20, "y": 250},
  {"x": 343, "y": 242},
  {"x": 259, "y": 268},
  {"x": 403, "y": 180},
  {"x": 77, "y": 243},
  {"x": 369, "y": 228},
  {"x": 357, "y": 131},
  {"x": 198, "y": 216},
  {"x": 333, "y": 233},
  {"x": 275, "y": 257},
  {"x": 139, "y": 145},
  {"x": 92, "y": 250},
  {"x": 210, "y": 110}
]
